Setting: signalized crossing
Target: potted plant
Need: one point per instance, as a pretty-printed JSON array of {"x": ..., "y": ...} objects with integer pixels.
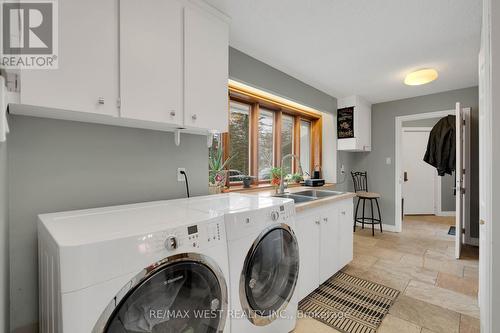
[
  {"x": 216, "y": 172},
  {"x": 276, "y": 177},
  {"x": 297, "y": 177}
]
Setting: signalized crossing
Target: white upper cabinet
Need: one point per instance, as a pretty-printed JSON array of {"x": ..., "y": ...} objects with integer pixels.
[
  {"x": 159, "y": 64},
  {"x": 206, "y": 53},
  {"x": 87, "y": 77},
  {"x": 356, "y": 117},
  {"x": 151, "y": 37}
]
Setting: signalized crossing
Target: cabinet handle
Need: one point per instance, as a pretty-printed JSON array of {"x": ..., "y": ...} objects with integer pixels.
[
  {"x": 343, "y": 213},
  {"x": 194, "y": 117},
  {"x": 317, "y": 222},
  {"x": 325, "y": 219},
  {"x": 100, "y": 100},
  {"x": 172, "y": 113}
]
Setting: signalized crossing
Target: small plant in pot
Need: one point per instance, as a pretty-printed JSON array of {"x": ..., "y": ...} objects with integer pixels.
[
  {"x": 276, "y": 177},
  {"x": 216, "y": 169},
  {"x": 296, "y": 177}
]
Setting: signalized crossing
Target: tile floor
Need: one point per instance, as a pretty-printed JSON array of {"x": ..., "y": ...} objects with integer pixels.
[{"x": 438, "y": 293}]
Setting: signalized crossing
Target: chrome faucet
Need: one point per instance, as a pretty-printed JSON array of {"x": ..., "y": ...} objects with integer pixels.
[{"x": 282, "y": 182}]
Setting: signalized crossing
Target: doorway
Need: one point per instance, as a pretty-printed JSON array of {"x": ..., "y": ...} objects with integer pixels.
[{"x": 440, "y": 185}]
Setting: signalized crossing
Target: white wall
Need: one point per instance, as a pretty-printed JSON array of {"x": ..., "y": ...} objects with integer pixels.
[
  {"x": 494, "y": 224},
  {"x": 4, "y": 243}
]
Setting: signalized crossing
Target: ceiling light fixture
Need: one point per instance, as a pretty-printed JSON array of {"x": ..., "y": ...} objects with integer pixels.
[{"x": 420, "y": 77}]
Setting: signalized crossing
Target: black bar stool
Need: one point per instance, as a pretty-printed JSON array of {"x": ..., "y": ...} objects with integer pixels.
[{"x": 360, "y": 180}]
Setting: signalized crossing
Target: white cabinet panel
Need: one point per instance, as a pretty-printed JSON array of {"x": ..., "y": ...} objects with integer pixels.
[
  {"x": 88, "y": 61},
  {"x": 151, "y": 52},
  {"x": 345, "y": 245},
  {"x": 307, "y": 237},
  {"x": 205, "y": 70},
  {"x": 329, "y": 244}
]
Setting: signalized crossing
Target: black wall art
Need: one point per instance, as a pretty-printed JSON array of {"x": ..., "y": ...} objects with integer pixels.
[{"x": 345, "y": 123}]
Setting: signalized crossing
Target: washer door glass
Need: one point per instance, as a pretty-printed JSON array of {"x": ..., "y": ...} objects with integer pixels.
[
  {"x": 271, "y": 272},
  {"x": 183, "y": 297}
]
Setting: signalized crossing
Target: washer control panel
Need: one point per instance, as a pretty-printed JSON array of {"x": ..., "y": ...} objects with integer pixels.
[{"x": 184, "y": 239}]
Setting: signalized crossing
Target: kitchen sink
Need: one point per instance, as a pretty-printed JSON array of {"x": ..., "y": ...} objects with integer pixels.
[
  {"x": 295, "y": 197},
  {"x": 317, "y": 194}
]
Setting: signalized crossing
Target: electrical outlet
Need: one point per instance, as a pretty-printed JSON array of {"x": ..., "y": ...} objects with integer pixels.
[
  {"x": 180, "y": 176},
  {"x": 342, "y": 170}
]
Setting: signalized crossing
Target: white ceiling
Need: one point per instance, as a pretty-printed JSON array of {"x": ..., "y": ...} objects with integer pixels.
[{"x": 363, "y": 47}]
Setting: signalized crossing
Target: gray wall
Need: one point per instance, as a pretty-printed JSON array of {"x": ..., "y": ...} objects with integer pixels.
[
  {"x": 56, "y": 165},
  {"x": 447, "y": 181},
  {"x": 255, "y": 73},
  {"x": 4, "y": 242},
  {"x": 381, "y": 175}
]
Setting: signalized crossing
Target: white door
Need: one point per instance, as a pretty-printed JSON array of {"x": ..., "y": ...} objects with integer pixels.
[
  {"x": 87, "y": 77},
  {"x": 419, "y": 187},
  {"x": 308, "y": 236},
  {"x": 345, "y": 234},
  {"x": 329, "y": 232},
  {"x": 485, "y": 176},
  {"x": 206, "y": 54},
  {"x": 151, "y": 54},
  {"x": 459, "y": 179}
]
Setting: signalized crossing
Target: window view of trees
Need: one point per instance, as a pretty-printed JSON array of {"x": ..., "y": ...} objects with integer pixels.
[
  {"x": 305, "y": 146},
  {"x": 239, "y": 134},
  {"x": 287, "y": 142},
  {"x": 266, "y": 143}
]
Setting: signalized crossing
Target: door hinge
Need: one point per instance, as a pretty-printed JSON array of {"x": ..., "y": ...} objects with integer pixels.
[
  {"x": 463, "y": 122},
  {"x": 462, "y": 190},
  {"x": 118, "y": 103},
  {"x": 463, "y": 171},
  {"x": 463, "y": 230},
  {"x": 12, "y": 82}
]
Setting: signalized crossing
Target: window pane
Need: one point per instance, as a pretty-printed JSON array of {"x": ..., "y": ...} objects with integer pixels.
[
  {"x": 305, "y": 146},
  {"x": 287, "y": 141},
  {"x": 239, "y": 140},
  {"x": 266, "y": 143}
]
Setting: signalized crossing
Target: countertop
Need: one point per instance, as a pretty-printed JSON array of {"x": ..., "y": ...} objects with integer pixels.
[{"x": 299, "y": 207}]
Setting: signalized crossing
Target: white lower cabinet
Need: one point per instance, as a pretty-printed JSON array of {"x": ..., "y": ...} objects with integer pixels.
[{"x": 325, "y": 239}]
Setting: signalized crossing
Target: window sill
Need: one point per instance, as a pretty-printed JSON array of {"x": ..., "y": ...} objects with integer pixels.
[{"x": 255, "y": 188}]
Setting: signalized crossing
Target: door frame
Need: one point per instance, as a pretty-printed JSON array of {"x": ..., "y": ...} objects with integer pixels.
[
  {"x": 437, "y": 180},
  {"x": 398, "y": 163}
]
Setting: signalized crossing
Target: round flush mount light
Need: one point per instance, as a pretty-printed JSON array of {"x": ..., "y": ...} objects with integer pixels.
[{"x": 420, "y": 77}]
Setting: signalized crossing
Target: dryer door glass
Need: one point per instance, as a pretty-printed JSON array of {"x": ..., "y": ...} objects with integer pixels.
[
  {"x": 271, "y": 272},
  {"x": 183, "y": 297}
]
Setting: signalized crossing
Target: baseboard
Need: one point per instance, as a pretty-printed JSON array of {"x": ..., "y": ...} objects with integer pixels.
[
  {"x": 446, "y": 213},
  {"x": 390, "y": 228}
]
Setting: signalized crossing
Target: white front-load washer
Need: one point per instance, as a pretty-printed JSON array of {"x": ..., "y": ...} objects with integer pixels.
[
  {"x": 151, "y": 267},
  {"x": 263, "y": 260}
]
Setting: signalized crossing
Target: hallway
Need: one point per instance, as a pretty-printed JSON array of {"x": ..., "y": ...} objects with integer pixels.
[{"x": 438, "y": 293}]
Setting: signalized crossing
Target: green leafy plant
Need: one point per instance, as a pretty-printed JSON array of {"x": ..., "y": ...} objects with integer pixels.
[
  {"x": 276, "y": 176},
  {"x": 217, "y": 165},
  {"x": 297, "y": 177}
]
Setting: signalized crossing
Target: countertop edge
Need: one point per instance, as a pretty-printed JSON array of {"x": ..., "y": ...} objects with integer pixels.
[{"x": 304, "y": 206}]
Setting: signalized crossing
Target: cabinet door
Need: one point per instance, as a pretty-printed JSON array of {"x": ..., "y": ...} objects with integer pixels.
[
  {"x": 87, "y": 77},
  {"x": 308, "y": 239},
  {"x": 151, "y": 37},
  {"x": 345, "y": 217},
  {"x": 206, "y": 50},
  {"x": 329, "y": 260}
]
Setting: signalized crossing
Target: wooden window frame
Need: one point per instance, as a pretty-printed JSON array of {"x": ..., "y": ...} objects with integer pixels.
[{"x": 280, "y": 107}]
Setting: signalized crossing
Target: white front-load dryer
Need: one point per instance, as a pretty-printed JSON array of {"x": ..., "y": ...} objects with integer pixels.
[
  {"x": 152, "y": 267},
  {"x": 263, "y": 260}
]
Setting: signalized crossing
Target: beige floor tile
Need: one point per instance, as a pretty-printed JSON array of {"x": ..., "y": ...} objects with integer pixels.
[
  {"x": 425, "y": 330},
  {"x": 309, "y": 325},
  {"x": 383, "y": 277},
  {"x": 467, "y": 286},
  {"x": 443, "y": 297},
  {"x": 435, "y": 318},
  {"x": 363, "y": 261},
  {"x": 411, "y": 259},
  {"x": 446, "y": 266},
  {"x": 392, "y": 324},
  {"x": 407, "y": 271},
  {"x": 469, "y": 325},
  {"x": 471, "y": 272}
]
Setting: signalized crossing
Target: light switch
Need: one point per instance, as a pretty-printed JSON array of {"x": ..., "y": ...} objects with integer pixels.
[{"x": 388, "y": 161}]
